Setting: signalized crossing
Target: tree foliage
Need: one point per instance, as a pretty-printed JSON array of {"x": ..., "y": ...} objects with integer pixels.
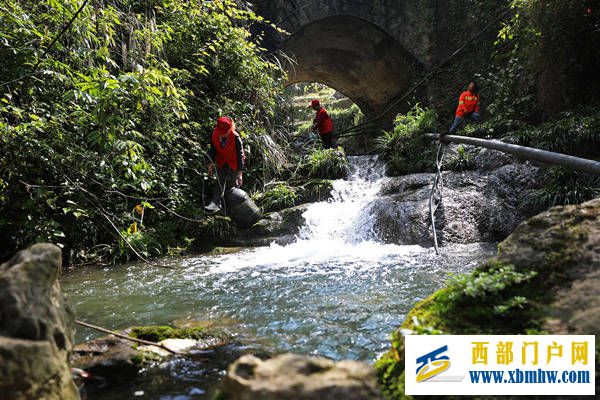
[
  {"x": 547, "y": 59},
  {"x": 117, "y": 113}
]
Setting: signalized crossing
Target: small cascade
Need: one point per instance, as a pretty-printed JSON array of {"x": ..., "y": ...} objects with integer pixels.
[
  {"x": 342, "y": 217},
  {"x": 336, "y": 233}
]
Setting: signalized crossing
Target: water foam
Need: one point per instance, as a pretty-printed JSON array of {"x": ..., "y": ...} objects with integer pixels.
[{"x": 336, "y": 232}]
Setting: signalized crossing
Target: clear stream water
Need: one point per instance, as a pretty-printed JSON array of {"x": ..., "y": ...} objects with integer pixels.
[{"x": 334, "y": 292}]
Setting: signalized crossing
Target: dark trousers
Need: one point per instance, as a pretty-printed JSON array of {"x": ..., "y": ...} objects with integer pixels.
[
  {"x": 225, "y": 181},
  {"x": 327, "y": 140},
  {"x": 475, "y": 117}
]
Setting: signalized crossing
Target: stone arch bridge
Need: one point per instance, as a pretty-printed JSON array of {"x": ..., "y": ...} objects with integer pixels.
[{"x": 371, "y": 51}]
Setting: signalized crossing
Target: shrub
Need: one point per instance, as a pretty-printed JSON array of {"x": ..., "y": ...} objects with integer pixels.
[
  {"x": 574, "y": 133},
  {"x": 326, "y": 164},
  {"x": 120, "y": 110},
  {"x": 461, "y": 161},
  {"x": 316, "y": 190},
  {"x": 404, "y": 148},
  {"x": 547, "y": 59},
  {"x": 278, "y": 198},
  {"x": 562, "y": 187}
]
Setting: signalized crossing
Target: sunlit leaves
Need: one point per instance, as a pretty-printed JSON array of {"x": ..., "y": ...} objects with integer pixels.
[{"x": 119, "y": 111}]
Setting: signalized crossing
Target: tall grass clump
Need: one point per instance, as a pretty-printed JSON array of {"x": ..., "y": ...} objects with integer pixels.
[
  {"x": 404, "y": 148},
  {"x": 280, "y": 197},
  {"x": 326, "y": 164},
  {"x": 563, "y": 187}
]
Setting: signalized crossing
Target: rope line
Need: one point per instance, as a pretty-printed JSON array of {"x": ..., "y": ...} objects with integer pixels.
[{"x": 436, "y": 196}]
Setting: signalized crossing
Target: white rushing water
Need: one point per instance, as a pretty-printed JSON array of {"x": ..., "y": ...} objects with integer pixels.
[{"x": 336, "y": 231}]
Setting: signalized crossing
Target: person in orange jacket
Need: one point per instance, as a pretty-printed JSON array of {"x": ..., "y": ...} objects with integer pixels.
[
  {"x": 227, "y": 154},
  {"x": 468, "y": 107},
  {"x": 322, "y": 124}
]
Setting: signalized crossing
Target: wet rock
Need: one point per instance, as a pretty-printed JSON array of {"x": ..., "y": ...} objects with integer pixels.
[
  {"x": 36, "y": 328},
  {"x": 280, "y": 227},
  {"x": 295, "y": 377},
  {"x": 478, "y": 206},
  {"x": 117, "y": 359},
  {"x": 108, "y": 357}
]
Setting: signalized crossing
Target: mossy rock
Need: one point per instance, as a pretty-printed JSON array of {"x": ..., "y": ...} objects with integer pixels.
[
  {"x": 280, "y": 197},
  {"x": 162, "y": 332},
  {"x": 213, "y": 229},
  {"x": 316, "y": 190}
]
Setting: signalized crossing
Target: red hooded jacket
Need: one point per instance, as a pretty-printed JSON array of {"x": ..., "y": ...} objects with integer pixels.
[
  {"x": 227, "y": 145},
  {"x": 323, "y": 122}
]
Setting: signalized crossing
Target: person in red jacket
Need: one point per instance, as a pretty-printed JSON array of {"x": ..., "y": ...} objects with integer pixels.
[
  {"x": 468, "y": 107},
  {"x": 322, "y": 124},
  {"x": 227, "y": 155}
]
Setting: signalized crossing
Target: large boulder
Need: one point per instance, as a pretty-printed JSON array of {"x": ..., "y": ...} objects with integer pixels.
[
  {"x": 36, "y": 328},
  {"x": 478, "y": 206},
  {"x": 295, "y": 377}
]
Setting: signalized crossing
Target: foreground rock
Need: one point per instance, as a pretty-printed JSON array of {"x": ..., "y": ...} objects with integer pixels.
[
  {"x": 478, "y": 206},
  {"x": 546, "y": 278},
  {"x": 36, "y": 328},
  {"x": 294, "y": 377}
]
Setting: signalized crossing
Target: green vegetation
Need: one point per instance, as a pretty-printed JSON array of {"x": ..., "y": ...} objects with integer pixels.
[
  {"x": 546, "y": 60},
  {"x": 213, "y": 229},
  {"x": 561, "y": 187},
  {"x": 160, "y": 333},
  {"x": 280, "y": 197},
  {"x": 326, "y": 164},
  {"x": 404, "y": 148},
  {"x": 118, "y": 113},
  {"x": 461, "y": 161},
  {"x": 316, "y": 190}
]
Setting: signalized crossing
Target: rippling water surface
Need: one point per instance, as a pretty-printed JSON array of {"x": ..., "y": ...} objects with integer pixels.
[{"x": 334, "y": 292}]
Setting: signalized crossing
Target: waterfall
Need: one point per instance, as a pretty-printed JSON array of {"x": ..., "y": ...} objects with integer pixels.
[
  {"x": 342, "y": 217},
  {"x": 337, "y": 233}
]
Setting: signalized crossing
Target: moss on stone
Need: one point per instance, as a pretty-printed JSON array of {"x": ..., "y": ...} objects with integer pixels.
[
  {"x": 215, "y": 228},
  {"x": 316, "y": 190},
  {"x": 159, "y": 333},
  {"x": 280, "y": 197}
]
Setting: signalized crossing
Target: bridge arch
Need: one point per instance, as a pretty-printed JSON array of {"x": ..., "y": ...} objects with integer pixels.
[{"x": 354, "y": 56}]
